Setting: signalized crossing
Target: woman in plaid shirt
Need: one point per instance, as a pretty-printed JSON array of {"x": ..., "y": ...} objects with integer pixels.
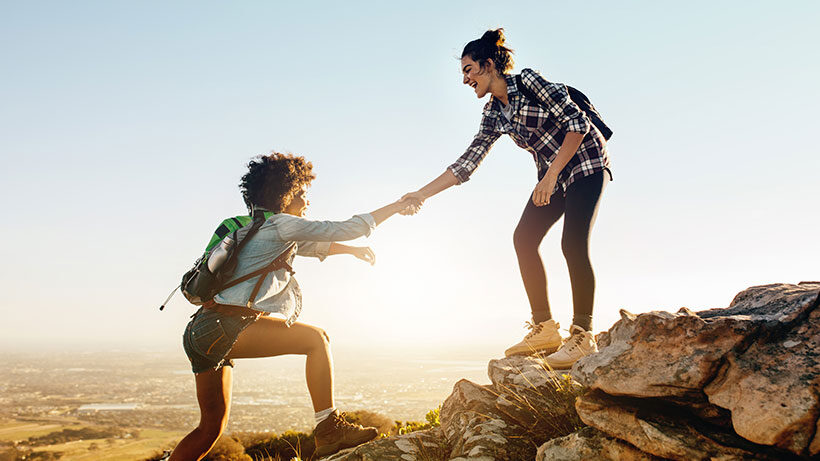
[{"x": 571, "y": 157}]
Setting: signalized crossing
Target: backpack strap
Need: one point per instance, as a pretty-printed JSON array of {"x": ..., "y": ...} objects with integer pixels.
[
  {"x": 258, "y": 220},
  {"x": 577, "y": 97},
  {"x": 280, "y": 262},
  {"x": 526, "y": 91}
]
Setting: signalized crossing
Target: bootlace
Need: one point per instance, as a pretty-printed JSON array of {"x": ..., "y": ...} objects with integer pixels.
[
  {"x": 534, "y": 328},
  {"x": 574, "y": 341},
  {"x": 342, "y": 422}
]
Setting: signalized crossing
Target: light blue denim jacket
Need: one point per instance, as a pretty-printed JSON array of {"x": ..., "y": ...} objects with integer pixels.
[{"x": 280, "y": 292}]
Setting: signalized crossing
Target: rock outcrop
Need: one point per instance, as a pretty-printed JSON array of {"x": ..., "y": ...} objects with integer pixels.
[
  {"x": 525, "y": 405},
  {"x": 740, "y": 383},
  {"x": 590, "y": 444},
  {"x": 735, "y": 383}
]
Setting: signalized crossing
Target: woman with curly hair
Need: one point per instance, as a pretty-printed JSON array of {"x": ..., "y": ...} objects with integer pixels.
[
  {"x": 571, "y": 156},
  {"x": 236, "y": 323}
]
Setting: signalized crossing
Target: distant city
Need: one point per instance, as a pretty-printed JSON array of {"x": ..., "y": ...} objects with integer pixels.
[{"x": 155, "y": 390}]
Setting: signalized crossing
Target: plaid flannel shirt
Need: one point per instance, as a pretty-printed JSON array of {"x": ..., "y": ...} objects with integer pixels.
[{"x": 537, "y": 130}]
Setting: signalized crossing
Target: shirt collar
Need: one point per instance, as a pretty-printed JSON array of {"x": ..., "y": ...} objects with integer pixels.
[
  {"x": 267, "y": 213},
  {"x": 512, "y": 90}
]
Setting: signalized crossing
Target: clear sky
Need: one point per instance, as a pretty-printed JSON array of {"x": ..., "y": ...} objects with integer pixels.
[{"x": 125, "y": 126}]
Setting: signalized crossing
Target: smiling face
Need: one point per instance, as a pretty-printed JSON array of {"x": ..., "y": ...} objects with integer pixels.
[
  {"x": 298, "y": 204},
  {"x": 477, "y": 77}
]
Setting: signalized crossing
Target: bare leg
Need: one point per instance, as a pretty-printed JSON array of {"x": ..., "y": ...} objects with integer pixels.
[
  {"x": 268, "y": 337},
  {"x": 213, "y": 392}
]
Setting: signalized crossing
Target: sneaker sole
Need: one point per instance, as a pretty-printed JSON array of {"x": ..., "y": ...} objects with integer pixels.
[
  {"x": 561, "y": 365},
  {"x": 546, "y": 350},
  {"x": 564, "y": 365},
  {"x": 327, "y": 450}
]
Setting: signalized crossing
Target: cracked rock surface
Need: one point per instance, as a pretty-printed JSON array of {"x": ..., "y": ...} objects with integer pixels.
[
  {"x": 746, "y": 378},
  {"x": 590, "y": 444}
]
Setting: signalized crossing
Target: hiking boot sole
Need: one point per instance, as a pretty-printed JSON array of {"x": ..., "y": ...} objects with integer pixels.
[{"x": 331, "y": 448}]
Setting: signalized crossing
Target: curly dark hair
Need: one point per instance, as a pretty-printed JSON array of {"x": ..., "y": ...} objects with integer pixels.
[
  {"x": 272, "y": 180},
  {"x": 490, "y": 46}
]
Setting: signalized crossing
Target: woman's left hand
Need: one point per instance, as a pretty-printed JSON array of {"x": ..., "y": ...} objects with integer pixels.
[
  {"x": 364, "y": 253},
  {"x": 543, "y": 190}
]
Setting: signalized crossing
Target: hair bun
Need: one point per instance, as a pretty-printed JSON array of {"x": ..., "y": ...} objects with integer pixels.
[
  {"x": 496, "y": 37},
  {"x": 490, "y": 46}
]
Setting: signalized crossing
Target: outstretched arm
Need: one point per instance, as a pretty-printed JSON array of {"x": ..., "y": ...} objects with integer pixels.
[
  {"x": 461, "y": 170},
  {"x": 445, "y": 181},
  {"x": 379, "y": 216},
  {"x": 364, "y": 253},
  {"x": 387, "y": 211}
]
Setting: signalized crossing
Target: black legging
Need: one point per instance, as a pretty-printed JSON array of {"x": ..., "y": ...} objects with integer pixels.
[{"x": 579, "y": 207}]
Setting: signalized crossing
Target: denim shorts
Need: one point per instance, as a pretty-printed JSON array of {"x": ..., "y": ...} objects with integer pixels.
[{"x": 209, "y": 337}]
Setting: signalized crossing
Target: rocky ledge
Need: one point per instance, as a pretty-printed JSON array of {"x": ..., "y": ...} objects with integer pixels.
[{"x": 740, "y": 383}]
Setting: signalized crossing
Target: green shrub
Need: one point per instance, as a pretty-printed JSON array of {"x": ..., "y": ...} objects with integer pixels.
[
  {"x": 290, "y": 444},
  {"x": 432, "y": 418},
  {"x": 227, "y": 449}
]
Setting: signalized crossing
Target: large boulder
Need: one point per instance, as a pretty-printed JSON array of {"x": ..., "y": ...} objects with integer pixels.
[
  {"x": 772, "y": 389},
  {"x": 590, "y": 444},
  {"x": 475, "y": 429},
  {"x": 750, "y": 370},
  {"x": 661, "y": 354},
  {"x": 664, "y": 430}
]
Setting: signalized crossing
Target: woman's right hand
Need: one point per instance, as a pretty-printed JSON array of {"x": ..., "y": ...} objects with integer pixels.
[
  {"x": 444, "y": 181},
  {"x": 415, "y": 200}
]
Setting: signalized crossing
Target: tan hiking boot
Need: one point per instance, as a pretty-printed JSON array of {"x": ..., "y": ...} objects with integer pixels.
[
  {"x": 580, "y": 344},
  {"x": 335, "y": 433},
  {"x": 542, "y": 338}
]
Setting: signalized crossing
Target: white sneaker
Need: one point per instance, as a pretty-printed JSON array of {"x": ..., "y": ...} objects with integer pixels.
[
  {"x": 543, "y": 338},
  {"x": 580, "y": 344}
]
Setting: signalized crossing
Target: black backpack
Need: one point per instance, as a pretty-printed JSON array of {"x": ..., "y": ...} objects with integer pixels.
[
  {"x": 213, "y": 271},
  {"x": 578, "y": 98}
]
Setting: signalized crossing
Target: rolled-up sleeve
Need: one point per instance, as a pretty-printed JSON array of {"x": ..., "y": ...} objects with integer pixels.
[
  {"x": 314, "y": 249},
  {"x": 296, "y": 229},
  {"x": 478, "y": 149},
  {"x": 556, "y": 98}
]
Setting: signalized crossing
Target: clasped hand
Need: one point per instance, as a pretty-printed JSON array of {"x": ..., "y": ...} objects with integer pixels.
[
  {"x": 407, "y": 205},
  {"x": 414, "y": 201}
]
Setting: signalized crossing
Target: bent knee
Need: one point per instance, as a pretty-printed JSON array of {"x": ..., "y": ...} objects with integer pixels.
[
  {"x": 575, "y": 251},
  {"x": 319, "y": 338},
  {"x": 523, "y": 240},
  {"x": 212, "y": 428}
]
